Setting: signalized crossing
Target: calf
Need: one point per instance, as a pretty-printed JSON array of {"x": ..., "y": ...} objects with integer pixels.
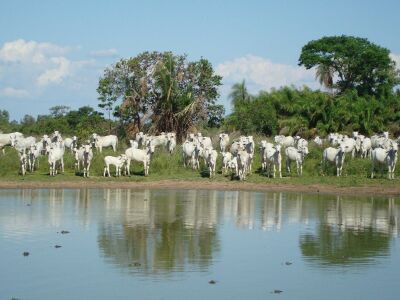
[{"x": 118, "y": 162}]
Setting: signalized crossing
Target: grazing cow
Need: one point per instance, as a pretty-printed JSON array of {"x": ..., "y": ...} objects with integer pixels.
[
  {"x": 87, "y": 159},
  {"x": 336, "y": 156},
  {"x": 386, "y": 157},
  {"x": 105, "y": 141},
  {"x": 226, "y": 158},
  {"x": 297, "y": 155},
  {"x": 285, "y": 141},
  {"x": 118, "y": 162},
  {"x": 157, "y": 140},
  {"x": 56, "y": 153},
  {"x": 139, "y": 155},
  {"x": 223, "y": 141},
  {"x": 7, "y": 138}
]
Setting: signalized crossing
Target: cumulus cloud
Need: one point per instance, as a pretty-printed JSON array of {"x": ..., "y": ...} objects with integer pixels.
[
  {"x": 13, "y": 92},
  {"x": 61, "y": 70},
  {"x": 263, "y": 74},
  {"x": 104, "y": 53},
  {"x": 29, "y": 51}
]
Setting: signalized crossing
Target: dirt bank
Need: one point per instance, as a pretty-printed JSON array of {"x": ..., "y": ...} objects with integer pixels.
[{"x": 181, "y": 184}]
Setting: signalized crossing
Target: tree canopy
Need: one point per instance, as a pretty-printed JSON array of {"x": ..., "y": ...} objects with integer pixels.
[
  {"x": 159, "y": 88},
  {"x": 354, "y": 62}
]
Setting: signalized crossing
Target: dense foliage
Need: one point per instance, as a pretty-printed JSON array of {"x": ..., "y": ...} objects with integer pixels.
[
  {"x": 307, "y": 112},
  {"x": 356, "y": 63}
]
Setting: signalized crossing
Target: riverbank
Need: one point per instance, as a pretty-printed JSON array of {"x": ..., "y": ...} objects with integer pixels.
[{"x": 206, "y": 184}]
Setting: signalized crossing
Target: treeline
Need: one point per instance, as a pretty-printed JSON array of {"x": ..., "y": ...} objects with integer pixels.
[
  {"x": 81, "y": 122},
  {"x": 306, "y": 112}
]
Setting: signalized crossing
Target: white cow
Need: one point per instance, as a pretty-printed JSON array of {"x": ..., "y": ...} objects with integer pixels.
[
  {"x": 56, "y": 153},
  {"x": 6, "y": 138},
  {"x": 171, "y": 144},
  {"x": 139, "y": 155},
  {"x": 187, "y": 152},
  {"x": 56, "y": 136},
  {"x": 223, "y": 141},
  {"x": 386, "y": 157},
  {"x": 297, "y": 155},
  {"x": 318, "y": 141},
  {"x": 105, "y": 141},
  {"x": 226, "y": 158},
  {"x": 366, "y": 147},
  {"x": 285, "y": 141},
  {"x": 205, "y": 141},
  {"x": 242, "y": 164},
  {"x": 274, "y": 159},
  {"x": 22, "y": 143},
  {"x": 134, "y": 144},
  {"x": 211, "y": 156},
  {"x": 71, "y": 143},
  {"x": 117, "y": 161},
  {"x": 23, "y": 160},
  {"x": 336, "y": 156},
  {"x": 235, "y": 147},
  {"x": 78, "y": 154},
  {"x": 34, "y": 153},
  {"x": 349, "y": 146},
  {"x": 87, "y": 159}
]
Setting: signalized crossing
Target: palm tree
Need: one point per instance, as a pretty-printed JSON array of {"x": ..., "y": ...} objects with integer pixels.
[
  {"x": 324, "y": 75},
  {"x": 239, "y": 93}
]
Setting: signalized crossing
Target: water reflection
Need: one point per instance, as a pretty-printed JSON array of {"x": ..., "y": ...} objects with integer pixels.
[{"x": 164, "y": 231}]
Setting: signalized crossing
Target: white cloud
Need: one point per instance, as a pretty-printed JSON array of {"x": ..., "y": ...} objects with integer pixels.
[
  {"x": 112, "y": 52},
  {"x": 29, "y": 51},
  {"x": 263, "y": 74},
  {"x": 55, "y": 75},
  {"x": 13, "y": 93},
  {"x": 396, "y": 59}
]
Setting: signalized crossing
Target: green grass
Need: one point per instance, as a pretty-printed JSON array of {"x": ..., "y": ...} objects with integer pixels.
[{"x": 356, "y": 172}]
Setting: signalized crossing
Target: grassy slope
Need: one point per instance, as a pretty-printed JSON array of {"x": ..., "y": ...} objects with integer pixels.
[{"x": 356, "y": 172}]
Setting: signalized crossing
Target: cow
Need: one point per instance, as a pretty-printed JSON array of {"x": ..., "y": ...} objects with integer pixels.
[
  {"x": 297, "y": 155},
  {"x": 388, "y": 157},
  {"x": 285, "y": 141},
  {"x": 56, "y": 153},
  {"x": 139, "y": 155},
  {"x": 223, "y": 141},
  {"x": 105, "y": 141},
  {"x": 336, "y": 156},
  {"x": 118, "y": 162}
]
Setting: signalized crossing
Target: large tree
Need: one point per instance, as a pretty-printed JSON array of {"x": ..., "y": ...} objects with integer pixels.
[
  {"x": 354, "y": 62},
  {"x": 165, "y": 90}
]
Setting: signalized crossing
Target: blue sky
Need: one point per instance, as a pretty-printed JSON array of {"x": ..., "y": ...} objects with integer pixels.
[{"x": 53, "y": 52}]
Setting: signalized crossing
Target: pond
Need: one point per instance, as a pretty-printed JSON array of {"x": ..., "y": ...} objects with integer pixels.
[{"x": 197, "y": 244}]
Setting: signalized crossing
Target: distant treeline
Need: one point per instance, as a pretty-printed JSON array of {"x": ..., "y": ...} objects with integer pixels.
[{"x": 307, "y": 112}]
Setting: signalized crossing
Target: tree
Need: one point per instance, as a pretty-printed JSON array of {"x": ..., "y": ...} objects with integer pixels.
[
  {"x": 106, "y": 97},
  {"x": 324, "y": 74},
  {"x": 59, "y": 110},
  {"x": 164, "y": 89},
  {"x": 356, "y": 62},
  {"x": 215, "y": 115},
  {"x": 239, "y": 93}
]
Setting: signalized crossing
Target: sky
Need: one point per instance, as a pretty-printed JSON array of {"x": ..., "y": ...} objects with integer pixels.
[{"x": 53, "y": 52}]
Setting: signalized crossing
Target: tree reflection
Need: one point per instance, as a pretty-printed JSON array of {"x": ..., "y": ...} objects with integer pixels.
[
  {"x": 351, "y": 231},
  {"x": 159, "y": 232}
]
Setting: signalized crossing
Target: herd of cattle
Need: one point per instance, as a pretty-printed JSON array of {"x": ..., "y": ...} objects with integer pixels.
[{"x": 237, "y": 157}]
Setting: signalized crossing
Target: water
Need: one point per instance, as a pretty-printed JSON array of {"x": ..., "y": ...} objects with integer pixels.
[{"x": 168, "y": 244}]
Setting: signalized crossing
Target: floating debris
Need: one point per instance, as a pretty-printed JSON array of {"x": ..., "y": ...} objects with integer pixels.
[
  {"x": 64, "y": 231},
  {"x": 288, "y": 263},
  {"x": 212, "y": 282},
  {"x": 277, "y": 291},
  {"x": 57, "y": 246},
  {"x": 136, "y": 264},
  {"x": 26, "y": 253}
]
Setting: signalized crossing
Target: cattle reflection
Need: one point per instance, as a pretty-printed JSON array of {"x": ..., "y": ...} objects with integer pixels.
[{"x": 351, "y": 231}]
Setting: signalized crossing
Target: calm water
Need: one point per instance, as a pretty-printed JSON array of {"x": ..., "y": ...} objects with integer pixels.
[{"x": 168, "y": 244}]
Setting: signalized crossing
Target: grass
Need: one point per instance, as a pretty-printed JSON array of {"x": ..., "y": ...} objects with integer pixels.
[{"x": 356, "y": 172}]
